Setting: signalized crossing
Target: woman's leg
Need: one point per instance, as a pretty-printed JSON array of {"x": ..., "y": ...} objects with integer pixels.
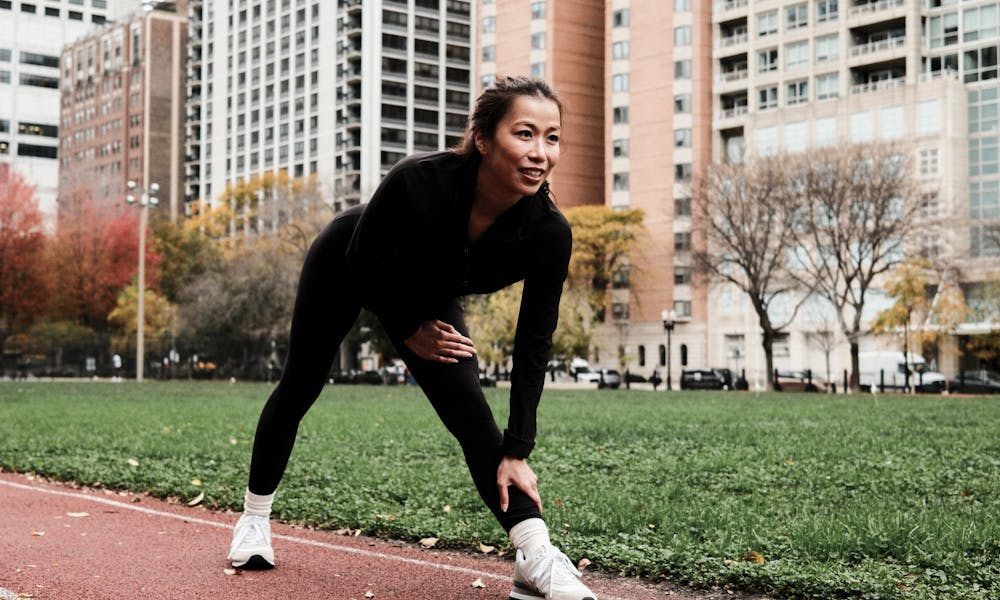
[
  {"x": 457, "y": 396},
  {"x": 325, "y": 310}
]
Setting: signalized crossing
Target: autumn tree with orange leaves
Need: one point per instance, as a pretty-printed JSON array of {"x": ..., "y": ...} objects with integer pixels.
[{"x": 23, "y": 286}]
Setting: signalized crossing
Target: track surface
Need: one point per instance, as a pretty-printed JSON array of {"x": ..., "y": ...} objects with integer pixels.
[{"x": 59, "y": 541}]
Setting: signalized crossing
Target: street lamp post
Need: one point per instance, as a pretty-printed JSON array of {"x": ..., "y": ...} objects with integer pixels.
[
  {"x": 668, "y": 317},
  {"x": 146, "y": 198}
]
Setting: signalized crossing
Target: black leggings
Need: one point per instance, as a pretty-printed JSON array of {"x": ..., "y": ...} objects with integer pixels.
[{"x": 326, "y": 308}]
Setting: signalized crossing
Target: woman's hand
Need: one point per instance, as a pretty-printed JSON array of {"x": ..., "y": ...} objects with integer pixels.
[
  {"x": 439, "y": 341},
  {"x": 516, "y": 472}
]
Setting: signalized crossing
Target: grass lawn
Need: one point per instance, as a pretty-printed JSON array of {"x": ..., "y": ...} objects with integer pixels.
[{"x": 799, "y": 496}]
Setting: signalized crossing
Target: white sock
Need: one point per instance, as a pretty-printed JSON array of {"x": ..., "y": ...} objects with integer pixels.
[
  {"x": 257, "y": 505},
  {"x": 530, "y": 535}
]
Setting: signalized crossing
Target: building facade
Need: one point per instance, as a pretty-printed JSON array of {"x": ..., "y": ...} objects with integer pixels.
[
  {"x": 123, "y": 95},
  {"x": 32, "y": 36},
  {"x": 795, "y": 75},
  {"x": 337, "y": 90}
]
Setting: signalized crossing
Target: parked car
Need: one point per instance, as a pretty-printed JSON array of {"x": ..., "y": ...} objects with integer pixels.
[
  {"x": 631, "y": 377},
  {"x": 798, "y": 381},
  {"x": 587, "y": 375},
  {"x": 976, "y": 382},
  {"x": 703, "y": 379},
  {"x": 609, "y": 378}
]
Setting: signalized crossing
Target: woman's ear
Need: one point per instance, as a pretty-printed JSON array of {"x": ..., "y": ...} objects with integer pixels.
[{"x": 480, "y": 141}]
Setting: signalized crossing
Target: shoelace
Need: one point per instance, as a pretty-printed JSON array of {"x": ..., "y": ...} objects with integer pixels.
[
  {"x": 253, "y": 533},
  {"x": 554, "y": 559}
]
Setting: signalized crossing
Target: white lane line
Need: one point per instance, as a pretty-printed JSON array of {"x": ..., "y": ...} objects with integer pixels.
[{"x": 288, "y": 538}]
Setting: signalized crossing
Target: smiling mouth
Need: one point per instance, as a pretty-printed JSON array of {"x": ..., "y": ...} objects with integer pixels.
[{"x": 533, "y": 173}]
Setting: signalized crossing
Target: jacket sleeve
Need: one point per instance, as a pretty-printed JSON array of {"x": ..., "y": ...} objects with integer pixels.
[{"x": 536, "y": 322}]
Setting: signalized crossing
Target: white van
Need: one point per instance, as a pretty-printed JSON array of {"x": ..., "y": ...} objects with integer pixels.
[{"x": 892, "y": 365}]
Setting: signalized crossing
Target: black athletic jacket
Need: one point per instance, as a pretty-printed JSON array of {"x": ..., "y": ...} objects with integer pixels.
[{"x": 411, "y": 255}]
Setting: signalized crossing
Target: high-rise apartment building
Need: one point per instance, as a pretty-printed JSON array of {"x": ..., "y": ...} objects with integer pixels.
[
  {"x": 123, "y": 93},
  {"x": 563, "y": 43},
  {"x": 640, "y": 71},
  {"x": 340, "y": 90},
  {"x": 795, "y": 74},
  {"x": 32, "y": 35}
]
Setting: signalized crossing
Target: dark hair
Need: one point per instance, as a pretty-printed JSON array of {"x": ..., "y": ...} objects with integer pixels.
[{"x": 493, "y": 104}]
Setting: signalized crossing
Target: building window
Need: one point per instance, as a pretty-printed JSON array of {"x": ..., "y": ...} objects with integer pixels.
[
  {"x": 826, "y": 48},
  {"x": 767, "y": 97},
  {"x": 928, "y": 205},
  {"x": 620, "y": 115},
  {"x": 619, "y": 279},
  {"x": 682, "y": 207},
  {"x": 943, "y": 30},
  {"x": 797, "y": 92},
  {"x": 683, "y": 310},
  {"x": 538, "y": 69},
  {"x": 682, "y": 103},
  {"x": 861, "y": 126},
  {"x": 642, "y": 356},
  {"x": 620, "y": 148},
  {"x": 796, "y": 55},
  {"x": 619, "y": 82},
  {"x": 890, "y": 120},
  {"x": 682, "y": 275},
  {"x": 619, "y": 50},
  {"x": 684, "y": 347},
  {"x": 827, "y": 86},
  {"x": 538, "y": 10},
  {"x": 620, "y": 182},
  {"x": 980, "y": 23},
  {"x": 682, "y": 69},
  {"x": 767, "y": 60},
  {"x": 682, "y": 6},
  {"x": 797, "y": 16},
  {"x": 929, "y": 161},
  {"x": 767, "y": 23},
  {"x": 682, "y": 241},
  {"x": 682, "y": 36},
  {"x": 538, "y": 40},
  {"x": 489, "y": 24},
  {"x": 826, "y": 10},
  {"x": 682, "y": 172},
  {"x": 619, "y": 18},
  {"x": 682, "y": 138}
]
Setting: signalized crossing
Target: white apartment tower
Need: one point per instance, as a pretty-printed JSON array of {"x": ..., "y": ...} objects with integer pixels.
[
  {"x": 798, "y": 74},
  {"x": 337, "y": 89},
  {"x": 32, "y": 36}
]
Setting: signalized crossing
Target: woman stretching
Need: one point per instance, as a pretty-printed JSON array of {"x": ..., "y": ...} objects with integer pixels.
[{"x": 471, "y": 220}]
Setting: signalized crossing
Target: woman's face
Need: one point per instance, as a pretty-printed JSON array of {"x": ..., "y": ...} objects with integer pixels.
[{"x": 524, "y": 148}]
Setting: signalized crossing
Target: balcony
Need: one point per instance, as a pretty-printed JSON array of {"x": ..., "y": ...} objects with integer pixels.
[
  {"x": 734, "y": 112},
  {"x": 733, "y": 76},
  {"x": 874, "y": 7},
  {"x": 876, "y": 86},
  {"x": 732, "y": 44},
  {"x": 881, "y": 46},
  {"x": 723, "y": 6}
]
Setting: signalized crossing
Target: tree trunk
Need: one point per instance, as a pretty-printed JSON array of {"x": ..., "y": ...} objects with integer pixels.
[{"x": 855, "y": 364}]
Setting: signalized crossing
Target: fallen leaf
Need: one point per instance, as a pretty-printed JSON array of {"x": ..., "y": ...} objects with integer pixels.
[
  {"x": 38, "y": 533},
  {"x": 447, "y": 508},
  {"x": 196, "y": 482},
  {"x": 25, "y": 595},
  {"x": 558, "y": 502},
  {"x": 485, "y": 549},
  {"x": 233, "y": 441},
  {"x": 369, "y": 594},
  {"x": 429, "y": 542},
  {"x": 229, "y": 571},
  {"x": 478, "y": 583},
  {"x": 197, "y": 499},
  {"x": 583, "y": 564},
  {"x": 754, "y": 557},
  {"x": 166, "y": 429},
  {"x": 387, "y": 517},
  {"x": 77, "y": 514},
  {"x": 133, "y": 462}
]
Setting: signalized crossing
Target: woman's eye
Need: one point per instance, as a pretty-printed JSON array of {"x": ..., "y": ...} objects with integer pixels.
[
  {"x": 524, "y": 133},
  {"x": 554, "y": 139}
]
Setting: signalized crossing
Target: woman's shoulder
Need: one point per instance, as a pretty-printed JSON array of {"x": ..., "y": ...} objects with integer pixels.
[{"x": 434, "y": 165}]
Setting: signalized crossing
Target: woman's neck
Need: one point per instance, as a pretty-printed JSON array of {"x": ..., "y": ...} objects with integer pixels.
[{"x": 488, "y": 200}]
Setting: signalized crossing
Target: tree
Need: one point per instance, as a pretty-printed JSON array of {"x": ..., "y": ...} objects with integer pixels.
[
  {"x": 23, "y": 282},
  {"x": 187, "y": 254},
  {"x": 860, "y": 205},
  {"x": 157, "y": 315},
  {"x": 93, "y": 256},
  {"x": 984, "y": 306},
  {"x": 907, "y": 283},
  {"x": 602, "y": 241},
  {"x": 751, "y": 212}
]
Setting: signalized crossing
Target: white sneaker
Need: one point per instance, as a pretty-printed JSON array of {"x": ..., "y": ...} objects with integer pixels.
[
  {"x": 251, "y": 548},
  {"x": 549, "y": 574}
]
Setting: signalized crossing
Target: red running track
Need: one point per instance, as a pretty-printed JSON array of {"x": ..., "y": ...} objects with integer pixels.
[{"x": 58, "y": 541}]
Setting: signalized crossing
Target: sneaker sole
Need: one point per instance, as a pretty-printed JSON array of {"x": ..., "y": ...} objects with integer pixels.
[
  {"x": 255, "y": 563},
  {"x": 519, "y": 592}
]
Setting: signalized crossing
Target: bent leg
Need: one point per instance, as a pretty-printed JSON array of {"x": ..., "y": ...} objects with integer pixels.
[
  {"x": 325, "y": 310},
  {"x": 457, "y": 396}
]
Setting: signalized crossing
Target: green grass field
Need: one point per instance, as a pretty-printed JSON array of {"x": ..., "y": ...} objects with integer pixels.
[{"x": 842, "y": 497}]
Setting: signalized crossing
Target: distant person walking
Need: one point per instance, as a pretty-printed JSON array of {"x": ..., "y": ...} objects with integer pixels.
[
  {"x": 116, "y": 367},
  {"x": 442, "y": 225}
]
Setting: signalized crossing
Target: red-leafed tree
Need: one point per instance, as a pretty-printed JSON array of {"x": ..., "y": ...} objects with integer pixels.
[
  {"x": 94, "y": 256},
  {"x": 22, "y": 247}
]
